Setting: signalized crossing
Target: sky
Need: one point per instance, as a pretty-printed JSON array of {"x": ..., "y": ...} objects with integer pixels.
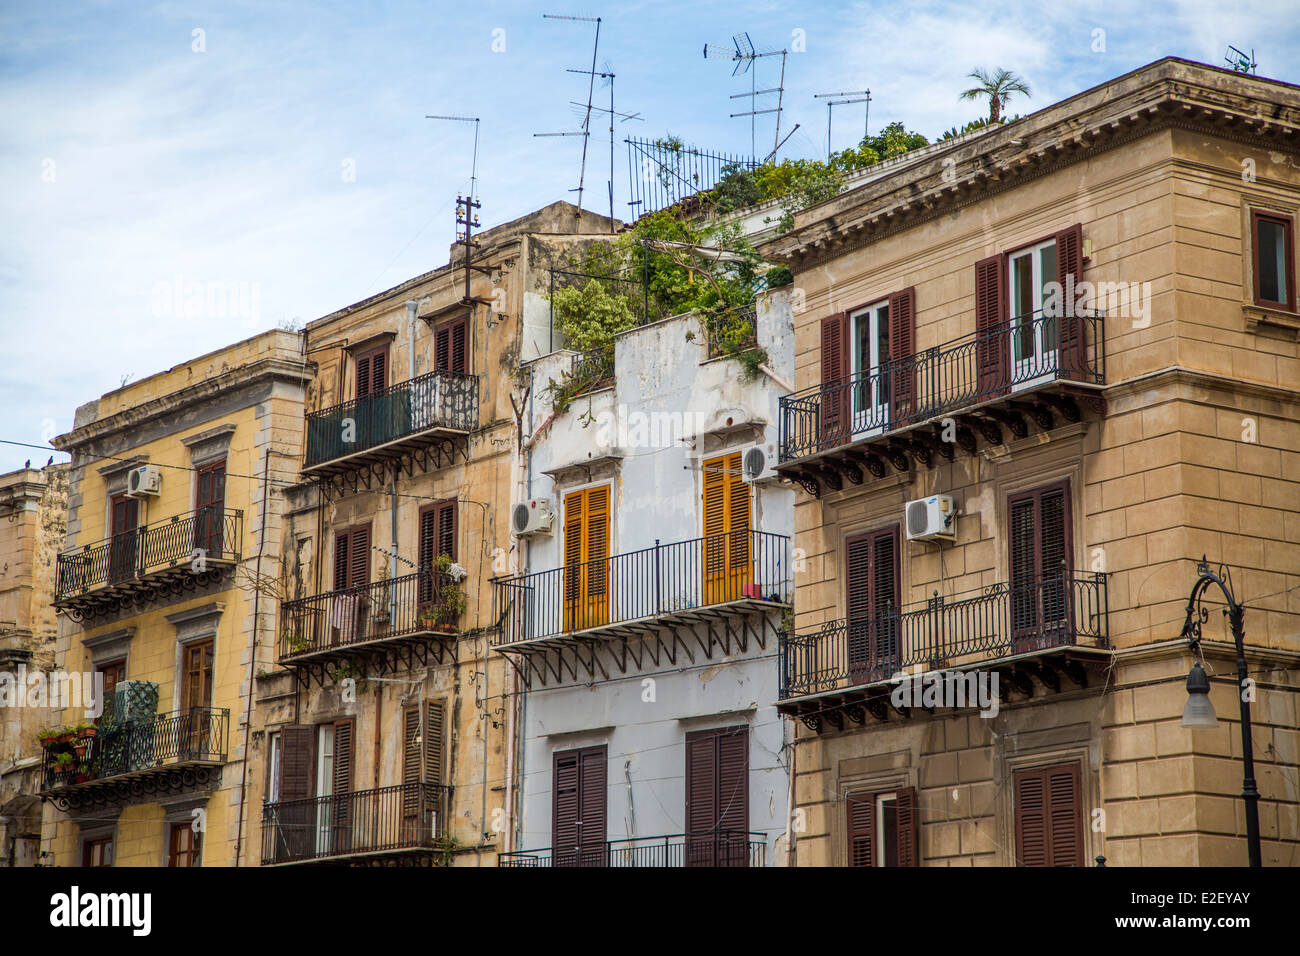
[{"x": 276, "y": 155}]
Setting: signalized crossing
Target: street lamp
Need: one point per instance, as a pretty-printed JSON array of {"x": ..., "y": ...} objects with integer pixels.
[{"x": 1199, "y": 714}]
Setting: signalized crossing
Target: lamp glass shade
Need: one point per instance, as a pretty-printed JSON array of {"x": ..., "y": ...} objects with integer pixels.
[{"x": 1199, "y": 714}]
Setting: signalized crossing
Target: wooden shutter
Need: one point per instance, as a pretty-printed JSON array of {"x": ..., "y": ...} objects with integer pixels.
[
  {"x": 586, "y": 557},
  {"x": 902, "y": 346},
  {"x": 1049, "y": 816},
  {"x": 124, "y": 517},
  {"x": 359, "y": 563},
  {"x": 411, "y": 770},
  {"x": 597, "y": 545},
  {"x": 861, "y": 828},
  {"x": 363, "y": 376},
  {"x": 726, "y": 509},
  {"x": 451, "y": 346},
  {"x": 296, "y": 759},
  {"x": 835, "y": 371},
  {"x": 1040, "y": 562},
  {"x": 578, "y": 807},
  {"x": 908, "y": 831},
  {"x": 871, "y": 603},
  {"x": 992, "y": 343},
  {"x": 574, "y": 518},
  {"x": 209, "y": 507},
  {"x": 437, "y": 536},
  {"x": 434, "y": 734},
  {"x": 341, "y": 781},
  {"x": 1069, "y": 273},
  {"x": 717, "y": 797},
  {"x": 372, "y": 371},
  {"x": 342, "y": 550}
]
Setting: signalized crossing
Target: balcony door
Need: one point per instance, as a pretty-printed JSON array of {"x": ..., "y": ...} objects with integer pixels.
[
  {"x": 437, "y": 537},
  {"x": 579, "y": 807},
  {"x": 349, "y": 607},
  {"x": 870, "y": 355},
  {"x": 586, "y": 558},
  {"x": 728, "y": 568},
  {"x": 872, "y": 621},
  {"x": 334, "y": 816},
  {"x": 196, "y": 699},
  {"x": 210, "y": 507},
  {"x": 422, "y": 770},
  {"x": 1034, "y": 334},
  {"x": 717, "y": 797},
  {"x": 1041, "y": 597},
  {"x": 124, "y": 522}
]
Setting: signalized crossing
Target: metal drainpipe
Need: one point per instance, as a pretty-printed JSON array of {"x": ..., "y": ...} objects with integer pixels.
[{"x": 392, "y": 558}]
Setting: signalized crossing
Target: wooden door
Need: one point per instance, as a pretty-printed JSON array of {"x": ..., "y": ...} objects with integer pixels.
[
  {"x": 579, "y": 807},
  {"x": 586, "y": 558},
  {"x": 872, "y": 620},
  {"x": 728, "y": 570},
  {"x": 123, "y": 549},
  {"x": 210, "y": 508}
]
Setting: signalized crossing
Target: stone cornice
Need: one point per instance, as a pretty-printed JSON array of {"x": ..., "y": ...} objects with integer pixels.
[
  {"x": 1168, "y": 94},
  {"x": 195, "y": 395}
]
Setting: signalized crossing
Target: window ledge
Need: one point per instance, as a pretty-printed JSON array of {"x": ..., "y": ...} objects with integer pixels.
[{"x": 1265, "y": 319}]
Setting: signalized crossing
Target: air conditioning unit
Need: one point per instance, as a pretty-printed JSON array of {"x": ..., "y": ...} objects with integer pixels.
[
  {"x": 532, "y": 517},
  {"x": 144, "y": 482},
  {"x": 930, "y": 519},
  {"x": 757, "y": 463}
]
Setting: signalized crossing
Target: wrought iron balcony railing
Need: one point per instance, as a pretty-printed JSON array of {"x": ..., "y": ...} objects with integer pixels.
[
  {"x": 1024, "y": 352},
  {"x": 198, "y": 735},
  {"x": 383, "y": 820},
  {"x": 972, "y": 628},
  {"x": 729, "y": 848},
  {"x": 434, "y": 400},
  {"x": 661, "y": 580},
  {"x": 423, "y": 602},
  {"x": 211, "y": 533}
]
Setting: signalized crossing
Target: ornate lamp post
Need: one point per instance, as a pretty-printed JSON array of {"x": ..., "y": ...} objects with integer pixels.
[{"x": 1199, "y": 712}]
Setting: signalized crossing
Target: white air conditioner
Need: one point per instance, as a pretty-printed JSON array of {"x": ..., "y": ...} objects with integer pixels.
[
  {"x": 757, "y": 463},
  {"x": 932, "y": 518},
  {"x": 144, "y": 482},
  {"x": 533, "y": 516}
]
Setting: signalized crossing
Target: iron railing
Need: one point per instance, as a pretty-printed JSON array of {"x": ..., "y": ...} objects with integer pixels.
[
  {"x": 209, "y": 533},
  {"x": 418, "y": 603},
  {"x": 662, "y": 174},
  {"x": 735, "y": 329},
  {"x": 1026, "y": 351},
  {"x": 592, "y": 369},
  {"x": 432, "y": 400},
  {"x": 385, "y": 819},
  {"x": 663, "y": 579},
  {"x": 729, "y": 848},
  {"x": 971, "y": 628},
  {"x": 197, "y": 735}
]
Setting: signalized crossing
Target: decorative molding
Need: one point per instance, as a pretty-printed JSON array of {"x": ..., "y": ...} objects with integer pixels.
[{"x": 197, "y": 623}]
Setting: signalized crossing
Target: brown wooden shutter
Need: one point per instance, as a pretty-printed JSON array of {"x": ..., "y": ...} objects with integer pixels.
[
  {"x": 594, "y": 804},
  {"x": 902, "y": 346},
  {"x": 363, "y": 376},
  {"x": 437, "y": 536},
  {"x": 451, "y": 346},
  {"x": 442, "y": 349},
  {"x": 296, "y": 819},
  {"x": 359, "y": 564},
  {"x": 871, "y": 603},
  {"x": 341, "y": 781},
  {"x": 411, "y": 770},
  {"x": 861, "y": 828},
  {"x": 342, "y": 550},
  {"x": 579, "y": 807},
  {"x": 835, "y": 370},
  {"x": 1041, "y": 563},
  {"x": 992, "y": 343},
  {"x": 1069, "y": 273},
  {"x": 908, "y": 831},
  {"x": 717, "y": 797},
  {"x": 1049, "y": 816},
  {"x": 434, "y": 735}
]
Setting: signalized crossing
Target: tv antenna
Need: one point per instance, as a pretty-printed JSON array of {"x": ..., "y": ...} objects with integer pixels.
[
  {"x": 607, "y": 79},
  {"x": 1239, "y": 61},
  {"x": 585, "y": 132},
  {"x": 851, "y": 96},
  {"x": 743, "y": 54},
  {"x": 473, "y": 176}
]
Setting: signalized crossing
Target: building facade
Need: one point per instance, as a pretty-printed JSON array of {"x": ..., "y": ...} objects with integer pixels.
[
  {"x": 382, "y": 722},
  {"x": 172, "y": 539},
  {"x": 656, "y": 574},
  {"x": 1043, "y": 370}
]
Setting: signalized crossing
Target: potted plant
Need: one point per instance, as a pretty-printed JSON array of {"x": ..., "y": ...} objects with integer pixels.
[
  {"x": 48, "y": 736},
  {"x": 63, "y": 764}
]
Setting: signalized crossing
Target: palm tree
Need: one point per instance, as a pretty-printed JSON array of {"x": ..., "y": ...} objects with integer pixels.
[{"x": 998, "y": 87}]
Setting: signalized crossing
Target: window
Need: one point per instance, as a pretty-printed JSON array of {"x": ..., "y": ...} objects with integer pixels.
[
  {"x": 882, "y": 828},
  {"x": 717, "y": 797},
  {"x": 273, "y": 767},
  {"x": 1049, "y": 816},
  {"x": 372, "y": 371},
  {"x": 450, "y": 346},
  {"x": 579, "y": 807},
  {"x": 872, "y": 604},
  {"x": 209, "y": 507},
  {"x": 586, "y": 558},
  {"x": 349, "y": 611},
  {"x": 870, "y": 351},
  {"x": 727, "y": 570},
  {"x": 1039, "y": 523},
  {"x": 114, "y": 672},
  {"x": 437, "y": 537},
  {"x": 1033, "y": 333},
  {"x": 196, "y": 675},
  {"x": 97, "y": 852},
  {"x": 1273, "y": 258},
  {"x": 124, "y": 518},
  {"x": 422, "y": 759},
  {"x": 183, "y": 845},
  {"x": 857, "y": 349}
]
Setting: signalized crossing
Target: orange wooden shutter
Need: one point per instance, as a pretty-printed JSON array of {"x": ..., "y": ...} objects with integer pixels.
[{"x": 597, "y": 556}]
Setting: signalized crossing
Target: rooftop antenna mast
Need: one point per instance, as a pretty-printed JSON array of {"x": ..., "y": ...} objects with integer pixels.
[
  {"x": 862, "y": 96},
  {"x": 1239, "y": 61},
  {"x": 607, "y": 78},
  {"x": 467, "y": 206},
  {"x": 585, "y": 133},
  {"x": 743, "y": 54}
]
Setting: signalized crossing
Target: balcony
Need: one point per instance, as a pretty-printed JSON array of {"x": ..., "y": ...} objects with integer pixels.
[
  {"x": 723, "y": 848},
  {"x": 413, "y": 418},
  {"x": 1031, "y": 369},
  {"x": 158, "y": 753},
  {"x": 390, "y": 622},
  {"x": 404, "y": 821},
  {"x": 725, "y": 584},
  {"x": 1039, "y": 632},
  {"x": 169, "y": 556}
]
